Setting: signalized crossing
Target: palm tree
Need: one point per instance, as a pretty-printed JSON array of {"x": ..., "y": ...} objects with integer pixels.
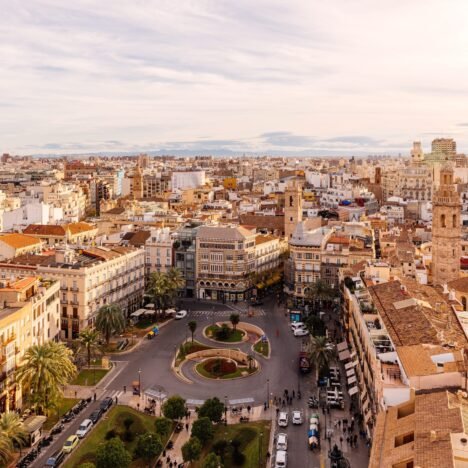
[
  {"x": 175, "y": 280},
  {"x": 192, "y": 327},
  {"x": 110, "y": 320},
  {"x": 46, "y": 369},
  {"x": 320, "y": 291},
  {"x": 234, "y": 318},
  {"x": 12, "y": 428},
  {"x": 321, "y": 352},
  {"x": 250, "y": 360},
  {"x": 6, "y": 450},
  {"x": 89, "y": 342},
  {"x": 158, "y": 288}
]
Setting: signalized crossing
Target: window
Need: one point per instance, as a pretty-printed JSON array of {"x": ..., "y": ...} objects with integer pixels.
[
  {"x": 442, "y": 220},
  {"x": 454, "y": 221},
  {"x": 404, "y": 439}
]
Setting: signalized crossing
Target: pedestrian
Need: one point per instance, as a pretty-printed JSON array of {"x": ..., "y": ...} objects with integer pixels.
[
  {"x": 284, "y": 403},
  {"x": 186, "y": 427},
  {"x": 328, "y": 409},
  {"x": 268, "y": 455},
  {"x": 344, "y": 429},
  {"x": 355, "y": 440},
  {"x": 264, "y": 406},
  {"x": 347, "y": 440},
  {"x": 168, "y": 459},
  {"x": 116, "y": 399},
  {"x": 125, "y": 389},
  {"x": 339, "y": 422},
  {"x": 277, "y": 411},
  {"x": 293, "y": 394},
  {"x": 248, "y": 409},
  {"x": 94, "y": 396}
]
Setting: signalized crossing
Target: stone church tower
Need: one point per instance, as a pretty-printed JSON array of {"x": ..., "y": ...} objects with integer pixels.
[
  {"x": 138, "y": 183},
  {"x": 292, "y": 207},
  {"x": 446, "y": 230}
]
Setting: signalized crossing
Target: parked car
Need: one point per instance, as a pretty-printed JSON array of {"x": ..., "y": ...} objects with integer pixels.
[
  {"x": 56, "y": 459},
  {"x": 95, "y": 416},
  {"x": 297, "y": 417},
  {"x": 106, "y": 403},
  {"x": 70, "y": 443},
  {"x": 84, "y": 428},
  {"x": 283, "y": 419},
  {"x": 297, "y": 325},
  {"x": 281, "y": 459},
  {"x": 282, "y": 441},
  {"x": 181, "y": 314},
  {"x": 301, "y": 332}
]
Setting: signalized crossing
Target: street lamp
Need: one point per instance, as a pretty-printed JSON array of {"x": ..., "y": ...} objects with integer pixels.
[
  {"x": 139, "y": 382},
  {"x": 268, "y": 393},
  {"x": 94, "y": 371},
  {"x": 225, "y": 410}
]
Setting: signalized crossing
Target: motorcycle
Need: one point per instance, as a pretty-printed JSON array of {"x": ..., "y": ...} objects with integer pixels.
[{"x": 244, "y": 419}]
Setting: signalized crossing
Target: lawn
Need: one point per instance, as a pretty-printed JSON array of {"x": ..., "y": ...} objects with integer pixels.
[
  {"x": 233, "y": 337},
  {"x": 238, "y": 372},
  {"x": 89, "y": 376},
  {"x": 249, "y": 436},
  {"x": 189, "y": 347},
  {"x": 113, "y": 420},
  {"x": 64, "y": 405},
  {"x": 262, "y": 348}
]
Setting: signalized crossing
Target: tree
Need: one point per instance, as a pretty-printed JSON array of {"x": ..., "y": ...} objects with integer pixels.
[
  {"x": 175, "y": 281},
  {"x": 213, "y": 409},
  {"x": 110, "y": 320},
  {"x": 6, "y": 450},
  {"x": 113, "y": 454},
  {"x": 46, "y": 369},
  {"x": 234, "y": 318},
  {"x": 163, "y": 426},
  {"x": 148, "y": 446},
  {"x": 192, "y": 327},
  {"x": 158, "y": 289},
  {"x": 12, "y": 428},
  {"x": 219, "y": 448},
  {"x": 212, "y": 461},
  {"x": 191, "y": 450},
  {"x": 250, "y": 360},
  {"x": 321, "y": 352},
  {"x": 202, "y": 429},
  {"x": 89, "y": 343},
  {"x": 174, "y": 407},
  {"x": 319, "y": 291},
  {"x": 87, "y": 465}
]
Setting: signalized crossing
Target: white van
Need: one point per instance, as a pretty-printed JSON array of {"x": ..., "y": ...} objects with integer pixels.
[
  {"x": 281, "y": 460},
  {"x": 283, "y": 419},
  {"x": 84, "y": 428},
  {"x": 298, "y": 325},
  {"x": 282, "y": 441}
]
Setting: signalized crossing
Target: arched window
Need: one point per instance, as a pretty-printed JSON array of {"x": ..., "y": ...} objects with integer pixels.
[
  {"x": 442, "y": 220},
  {"x": 291, "y": 200},
  {"x": 464, "y": 302},
  {"x": 454, "y": 221}
]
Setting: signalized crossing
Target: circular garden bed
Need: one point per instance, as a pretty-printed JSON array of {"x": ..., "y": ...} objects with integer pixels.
[
  {"x": 225, "y": 334},
  {"x": 223, "y": 368}
]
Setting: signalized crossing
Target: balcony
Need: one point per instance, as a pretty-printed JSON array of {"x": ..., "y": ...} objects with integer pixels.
[
  {"x": 74, "y": 289},
  {"x": 63, "y": 287},
  {"x": 63, "y": 301},
  {"x": 73, "y": 302},
  {"x": 9, "y": 339}
]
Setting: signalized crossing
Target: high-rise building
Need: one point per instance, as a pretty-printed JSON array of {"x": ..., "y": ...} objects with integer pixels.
[
  {"x": 447, "y": 146},
  {"x": 446, "y": 230},
  {"x": 292, "y": 208}
]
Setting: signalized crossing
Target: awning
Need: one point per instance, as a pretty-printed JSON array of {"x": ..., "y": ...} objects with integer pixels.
[
  {"x": 352, "y": 380},
  {"x": 241, "y": 401},
  {"x": 342, "y": 346},
  {"x": 349, "y": 365},
  {"x": 149, "y": 306},
  {"x": 137, "y": 313},
  {"x": 192, "y": 402},
  {"x": 350, "y": 373},
  {"x": 344, "y": 355},
  {"x": 353, "y": 390},
  {"x": 33, "y": 423},
  {"x": 155, "y": 393},
  {"x": 149, "y": 311}
]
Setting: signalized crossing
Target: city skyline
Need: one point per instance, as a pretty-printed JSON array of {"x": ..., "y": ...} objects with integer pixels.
[{"x": 214, "y": 78}]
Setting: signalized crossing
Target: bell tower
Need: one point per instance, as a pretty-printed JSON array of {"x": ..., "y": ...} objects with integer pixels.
[
  {"x": 446, "y": 230},
  {"x": 292, "y": 207},
  {"x": 138, "y": 183}
]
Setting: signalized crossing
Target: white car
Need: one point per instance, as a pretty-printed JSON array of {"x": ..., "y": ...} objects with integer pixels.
[
  {"x": 301, "y": 332},
  {"x": 181, "y": 314},
  {"x": 296, "y": 325},
  {"x": 84, "y": 428},
  {"x": 282, "y": 441},
  {"x": 283, "y": 419},
  {"x": 297, "y": 417},
  {"x": 281, "y": 459}
]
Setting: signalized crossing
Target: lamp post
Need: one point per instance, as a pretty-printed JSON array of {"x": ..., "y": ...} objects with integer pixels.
[
  {"x": 268, "y": 393},
  {"x": 225, "y": 410},
  {"x": 94, "y": 371},
  {"x": 139, "y": 383}
]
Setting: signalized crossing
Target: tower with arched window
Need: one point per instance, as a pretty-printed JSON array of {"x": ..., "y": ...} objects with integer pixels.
[
  {"x": 446, "y": 229},
  {"x": 292, "y": 207}
]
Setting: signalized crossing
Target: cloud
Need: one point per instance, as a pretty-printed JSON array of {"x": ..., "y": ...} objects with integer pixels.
[
  {"x": 357, "y": 140},
  {"x": 286, "y": 139}
]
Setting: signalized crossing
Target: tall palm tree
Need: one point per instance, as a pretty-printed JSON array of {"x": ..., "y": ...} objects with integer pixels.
[
  {"x": 175, "y": 279},
  {"x": 6, "y": 450},
  {"x": 321, "y": 352},
  {"x": 110, "y": 320},
  {"x": 89, "y": 343},
  {"x": 158, "y": 289},
  {"x": 320, "y": 291},
  {"x": 234, "y": 318},
  {"x": 45, "y": 370},
  {"x": 12, "y": 428},
  {"x": 192, "y": 327}
]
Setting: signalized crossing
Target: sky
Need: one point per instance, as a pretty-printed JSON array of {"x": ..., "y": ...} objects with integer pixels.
[{"x": 295, "y": 77}]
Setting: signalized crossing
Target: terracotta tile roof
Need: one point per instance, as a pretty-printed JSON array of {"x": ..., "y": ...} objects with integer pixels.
[
  {"x": 44, "y": 230},
  {"x": 77, "y": 228},
  {"x": 460, "y": 284},
  {"x": 261, "y": 239},
  {"x": 19, "y": 241},
  {"x": 338, "y": 240},
  {"x": 20, "y": 284}
]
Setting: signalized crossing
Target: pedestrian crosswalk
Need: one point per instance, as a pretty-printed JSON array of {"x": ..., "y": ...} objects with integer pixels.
[
  {"x": 115, "y": 394},
  {"x": 226, "y": 313}
]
